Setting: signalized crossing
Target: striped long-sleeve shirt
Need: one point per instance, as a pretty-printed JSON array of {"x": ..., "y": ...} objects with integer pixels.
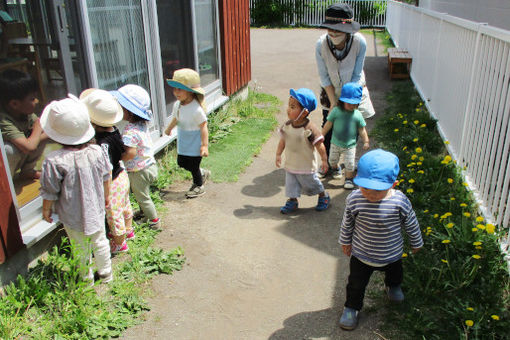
[{"x": 375, "y": 229}]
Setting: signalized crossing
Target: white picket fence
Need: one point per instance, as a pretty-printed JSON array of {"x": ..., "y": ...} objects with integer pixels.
[
  {"x": 311, "y": 12},
  {"x": 462, "y": 71}
]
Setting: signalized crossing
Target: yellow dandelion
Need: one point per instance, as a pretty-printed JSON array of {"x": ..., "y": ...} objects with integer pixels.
[
  {"x": 419, "y": 163},
  {"x": 477, "y": 243},
  {"x": 479, "y": 219},
  {"x": 418, "y": 150},
  {"x": 495, "y": 317},
  {"x": 415, "y": 140},
  {"x": 404, "y": 254},
  {"x": 452, "y": 198},
  {"x": 476, "y": 257},
  {"x": 490, "y": 228},
  {"x": 413, "y": 157},
  {"x": 469, "y": 323},
  {"x": 447, "y": 158},
  {"x": 444, "y": 261},
  {"x": 448, "y": 214},
  {"x": 426, "y": 210},
  {"x": 410, "y": 191},
  {"x": 423, "y": 125},
  {"x": 475, "y": 229},
  {"x": 416, "y": 122},
  {"x": 396, "y": 130},
  {"x": 445, "y": 241},
  {"x": 411, "y": 181},
  {"x": 463, "y": 205},
  {"x": 470, "y": 309},
  {"x": 450, "y": 180},
  {"x": 480, "y": 226},
  {"x": 420, "y": 171},
  {"x": 467, "y": 214},
  {"x": 446, "y": 142},
  {"x": 478, "y": 247},
  {"x": 421, "y": 158},
  {"x": 436, "y": 215},
  {"x": 404, "y": 122},
  {"x": 450, "y": 225},
  {"x": 404, "y": 148},
  {"x": 465, "y": 184},
  {"x": 417, "y": 109}
]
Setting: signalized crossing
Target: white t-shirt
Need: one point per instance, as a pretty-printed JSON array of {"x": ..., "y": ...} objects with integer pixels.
[{"x": 189, "y": 118}]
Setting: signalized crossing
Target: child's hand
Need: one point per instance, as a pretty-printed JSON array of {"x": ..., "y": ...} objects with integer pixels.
[
  {"x": 204, "y": 151},
  {"x": 415, "y": 250},
  {"x": 37, "y": 126},
  {"x": 46, "y": 213},
  {"x": 278, "y": 161},
  {"x": 366, "y": 146},
  {"x": 346, "y": 248},
  {"x": 325, "y": 166}
]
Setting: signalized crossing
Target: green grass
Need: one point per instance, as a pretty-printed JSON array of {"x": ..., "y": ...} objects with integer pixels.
[{"x": 457, "y": 286}]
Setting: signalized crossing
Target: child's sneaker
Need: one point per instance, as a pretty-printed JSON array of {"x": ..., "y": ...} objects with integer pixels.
[
  {"x": 290, "y": 206},
  {"x": 154, "y": 224},
  {"x": 337, "y": 174},
  {"x": 322, "y": 203},
  {"x": 395, "y": 293},
  {"x": 118, "y": 248},
  {"x": 206, "y": 174},
  {"x": 195, "y": 191},
  {"x": 348, "y": 184},
  {"x": 349, "y": 319},
  {"x": 106, "y": 278},
  {"x": 131, "y": 235}
]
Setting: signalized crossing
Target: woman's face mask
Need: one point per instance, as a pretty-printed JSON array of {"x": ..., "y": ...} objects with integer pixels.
[{"x": 337, "y": 37}]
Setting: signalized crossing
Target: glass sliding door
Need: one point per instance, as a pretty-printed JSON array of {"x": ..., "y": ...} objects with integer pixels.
[{"x": 207, "y": 40}]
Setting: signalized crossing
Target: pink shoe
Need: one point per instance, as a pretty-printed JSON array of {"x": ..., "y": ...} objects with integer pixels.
[
  {"x": 131, "y": 235},
  {"x": 122, "y": 248}
]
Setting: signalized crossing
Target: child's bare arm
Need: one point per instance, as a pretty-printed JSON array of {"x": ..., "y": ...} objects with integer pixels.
[
  {"x": 279, "y": 151},
  {"x": 106, "y": 185},
  {"x": 364, "y": 137},
  {"x": 129, "y": 153},
  {"x": 324, "y": 156},
  {"x": 47, "y": 210},
  {"x": 171, "y": 126},
  {"x": 204, "y": 138},
  {"x": 30, "y": 144},
  {"x": 326, "y": 127}
]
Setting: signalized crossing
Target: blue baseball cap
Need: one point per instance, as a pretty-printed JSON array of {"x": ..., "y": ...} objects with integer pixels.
[
  {"x": 377, "y": 170},
  {"x": 305, "y": 97},
  {"x": 351, "y": 93}
]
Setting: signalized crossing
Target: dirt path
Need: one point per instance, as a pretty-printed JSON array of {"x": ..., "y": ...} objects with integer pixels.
[{"x": 252, "y": 273}]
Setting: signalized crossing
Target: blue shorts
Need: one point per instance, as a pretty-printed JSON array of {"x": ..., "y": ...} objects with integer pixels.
[{"x": 307, "y": 184}]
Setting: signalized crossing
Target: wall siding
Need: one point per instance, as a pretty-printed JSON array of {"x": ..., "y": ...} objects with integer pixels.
[{"x": 235, "y": 44}]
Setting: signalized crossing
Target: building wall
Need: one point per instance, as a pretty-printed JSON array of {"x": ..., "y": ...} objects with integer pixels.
[
  {"x": 493, "y": 12},
  {"x": 235, "y": 44}
]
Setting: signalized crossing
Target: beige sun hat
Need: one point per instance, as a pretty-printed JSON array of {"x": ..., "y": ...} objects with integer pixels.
[
  {"x": 104, "y": 110},
  {"x": 67, "y": 121},
  {"x": 189, "y": 80}
]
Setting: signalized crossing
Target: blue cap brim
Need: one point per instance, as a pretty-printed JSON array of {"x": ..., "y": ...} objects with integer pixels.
[
  {"x": 181, "y": 86},
  {"x": 350, "y": 101},
  {"x": 125, "y": 103},
  {"x": 371, "y": 184}
]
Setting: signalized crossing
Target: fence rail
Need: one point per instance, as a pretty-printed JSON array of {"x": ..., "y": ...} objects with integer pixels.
[
  {"x": 369, "y": 13},
  {"x": 462, "y": 71}
]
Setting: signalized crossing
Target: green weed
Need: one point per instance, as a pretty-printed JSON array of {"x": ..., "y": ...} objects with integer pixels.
[{"x": 457, "y": 286}]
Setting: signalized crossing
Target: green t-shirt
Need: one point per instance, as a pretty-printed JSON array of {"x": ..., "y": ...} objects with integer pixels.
[
  {"x": 345, "y": 126},
  {"x": 13, "y": 127}
]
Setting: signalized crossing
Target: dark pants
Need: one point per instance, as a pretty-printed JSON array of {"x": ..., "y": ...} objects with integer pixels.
[
  {"x": 192, "y": 164},
  {"x": 327, "y": 137},
  {"x": 360, "y": 275}
]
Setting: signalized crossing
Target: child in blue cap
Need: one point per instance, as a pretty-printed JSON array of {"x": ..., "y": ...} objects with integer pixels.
[
  {"x": 371, "y": 231},
  {"x": 299, "y": 139},
  {"x": 347, "y": 123}
]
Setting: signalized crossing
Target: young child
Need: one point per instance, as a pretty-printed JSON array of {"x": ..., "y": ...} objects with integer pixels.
[
  {"x": 105, "y": 112},
  {"x": 23, "y": 136},
  {"x": 299, "y": 138},
  {"x": 139, "y": 157},
  {"x": 371, "y": 231},
  {"x": 75, "y": 182},
  {"x": 191, "y": 121},
  {"x": 347, "y": 123}
]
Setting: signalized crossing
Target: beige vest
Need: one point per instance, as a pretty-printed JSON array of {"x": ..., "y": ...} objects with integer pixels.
[
  {"x": 299, "y": 152},
  {"x": 340, "y": 72}
]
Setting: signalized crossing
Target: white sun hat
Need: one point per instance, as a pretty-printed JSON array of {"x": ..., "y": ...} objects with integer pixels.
[
  {"x": 104, "y": 109},
  {"x": 67, "y": 121}
]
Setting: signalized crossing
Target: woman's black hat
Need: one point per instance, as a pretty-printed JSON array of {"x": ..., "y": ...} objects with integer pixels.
[{"x": 340, "y": 17}]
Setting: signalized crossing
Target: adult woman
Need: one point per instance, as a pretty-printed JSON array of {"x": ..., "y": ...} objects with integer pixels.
[{"x": 340, "y": 55}]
